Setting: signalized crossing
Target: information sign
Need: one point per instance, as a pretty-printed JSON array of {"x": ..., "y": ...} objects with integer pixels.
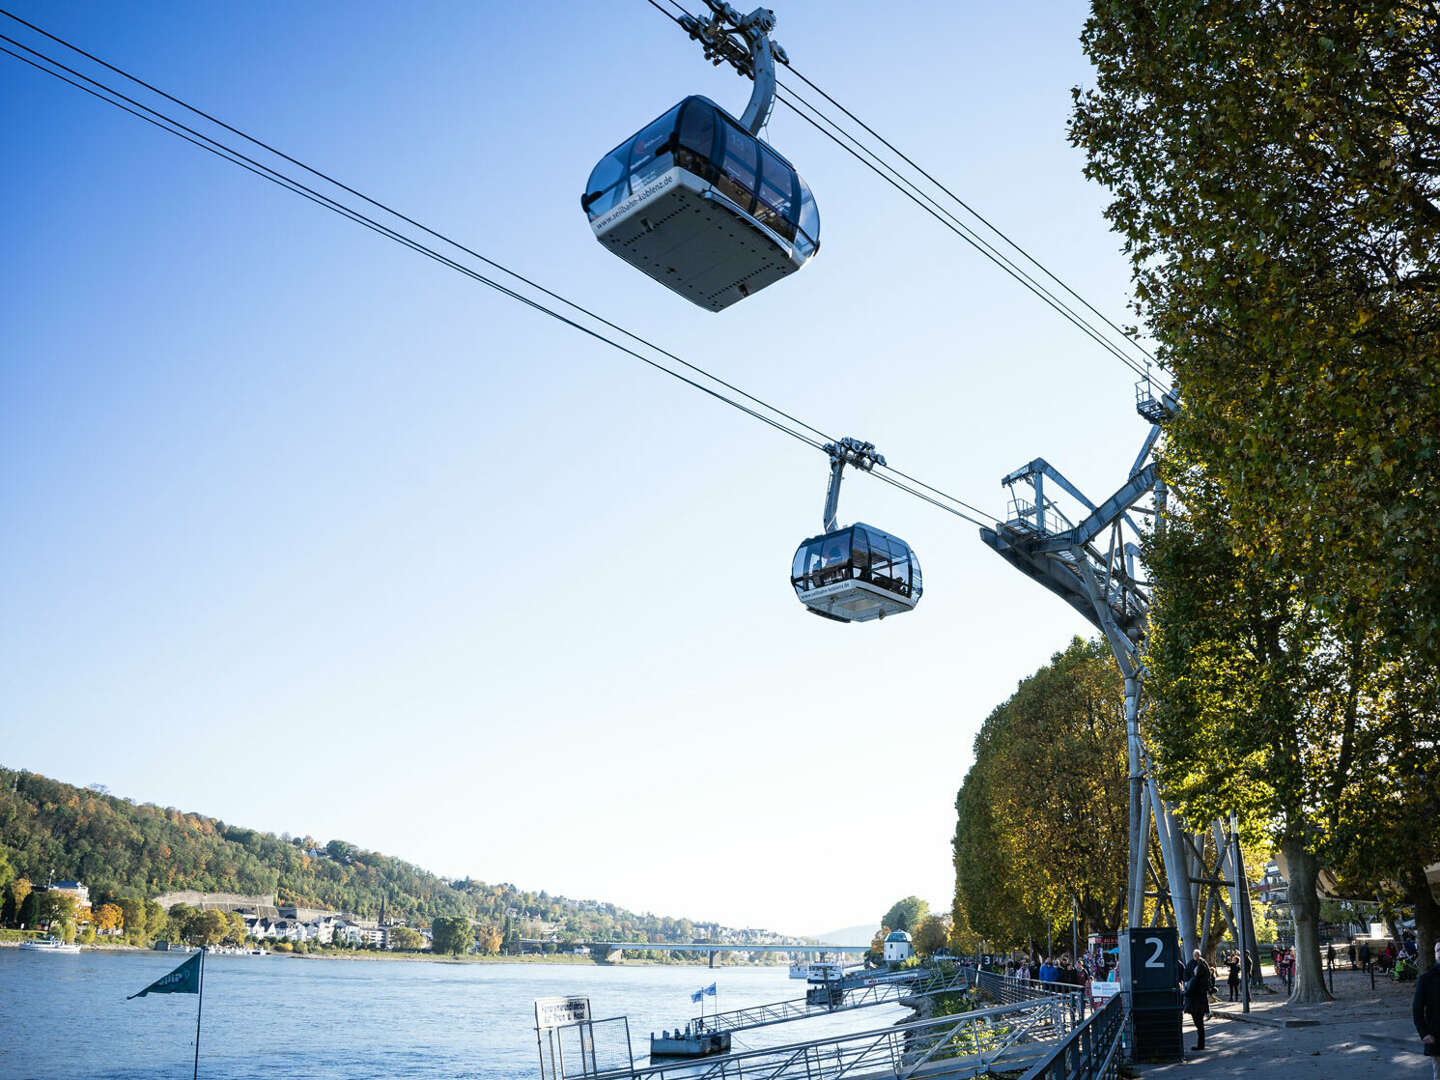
[{"x": 553, "y": 1012}]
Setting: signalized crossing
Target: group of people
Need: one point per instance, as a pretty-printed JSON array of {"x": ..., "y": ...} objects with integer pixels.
[{"x": 1061, "y": 969}]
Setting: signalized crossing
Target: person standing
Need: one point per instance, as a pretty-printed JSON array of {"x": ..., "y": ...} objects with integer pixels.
[
  {"x": 1197, "y": 995},
  {"x": 1427, "y": 1012},
  {"x": 1234, "y": 980},
  {"x": 1352, "y": 956}
]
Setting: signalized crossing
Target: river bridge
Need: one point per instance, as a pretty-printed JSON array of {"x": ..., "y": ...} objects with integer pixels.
[{"x": 612, "y": 950}]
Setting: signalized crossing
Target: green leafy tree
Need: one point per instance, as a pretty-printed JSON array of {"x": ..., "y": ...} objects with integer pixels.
[
  {"x": 906, "y": 914},
  {"x": 1276, "y": 178},
  {"x": 452, "y": 935},
  {"x": 1041, "y": 821},
  {"x": 58, "y": 907},
  {"x": 20, "y": 889},
  {"x": 932, "y": 935},
  {"x": 404, "y": 939},
  {"x": 132, "y": 918}
]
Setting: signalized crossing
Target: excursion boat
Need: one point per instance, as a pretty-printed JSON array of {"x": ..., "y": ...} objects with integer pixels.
[{"x": 49, "y": 944}]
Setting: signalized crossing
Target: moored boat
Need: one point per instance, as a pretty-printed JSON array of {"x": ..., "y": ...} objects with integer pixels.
[{"x": 49, "y": 944}]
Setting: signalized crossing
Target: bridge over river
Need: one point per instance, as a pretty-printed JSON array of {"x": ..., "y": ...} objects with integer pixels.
[{"x": 614, "y": 950}]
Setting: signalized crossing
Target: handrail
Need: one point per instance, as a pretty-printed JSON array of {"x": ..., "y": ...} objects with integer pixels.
[
  {"x": 898, "y": 1050},
  {"x": 1088, "y": 1052}
]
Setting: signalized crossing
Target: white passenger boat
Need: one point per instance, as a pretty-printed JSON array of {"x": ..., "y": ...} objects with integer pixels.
[{"x": 51, "y": 945}]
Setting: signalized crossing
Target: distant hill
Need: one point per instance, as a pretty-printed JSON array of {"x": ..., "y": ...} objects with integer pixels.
[
  {"x": 120, "y": 848},
  {"x": 850, "y": 935}
]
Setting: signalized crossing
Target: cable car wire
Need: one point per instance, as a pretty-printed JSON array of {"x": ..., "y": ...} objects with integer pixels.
[
  {"x": 411, "y": 221},
  {"x": 235, "y": 157},
  {"x": 949, "y": 221},
  {"x": 228, "y": 153},
  {"x": 915, "y": 193},
  {"x": 982, "y": 219}
]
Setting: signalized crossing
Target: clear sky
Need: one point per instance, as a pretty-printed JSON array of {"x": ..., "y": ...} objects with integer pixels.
[{"x": 306, "y": 532}]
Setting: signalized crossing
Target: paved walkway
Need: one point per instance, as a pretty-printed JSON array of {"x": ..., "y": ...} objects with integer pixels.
[{"x": 1363, "y": 1034}]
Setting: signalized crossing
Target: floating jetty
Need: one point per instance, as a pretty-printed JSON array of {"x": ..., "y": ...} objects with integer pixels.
[{"x": 689, "y": 1043}]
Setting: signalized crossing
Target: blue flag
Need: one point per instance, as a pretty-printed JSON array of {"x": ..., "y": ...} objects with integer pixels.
[
  {"x": 185, "y": 979},
  {"x": 697, "y": 995},
  {"x": 710, "y": 990}
]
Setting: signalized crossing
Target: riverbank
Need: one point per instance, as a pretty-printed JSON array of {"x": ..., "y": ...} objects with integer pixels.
[{"x": 471, "y": 958}]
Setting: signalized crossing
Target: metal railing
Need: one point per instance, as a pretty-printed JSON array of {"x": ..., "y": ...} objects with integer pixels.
[
  {"x": 1090, "y": 1052},
  {"x": 1006, "y": 989},
  {"x": 952, "y": 1047},
  {"x": 856, "y": 992}
]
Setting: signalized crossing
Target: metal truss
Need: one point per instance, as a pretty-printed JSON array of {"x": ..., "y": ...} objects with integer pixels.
[{"x": 1092, "y": 563}]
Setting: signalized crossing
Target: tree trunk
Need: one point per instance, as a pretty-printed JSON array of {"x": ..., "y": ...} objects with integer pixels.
[
  {"x": 1427, "y": 916},
  {"x": 1303, "y": 868}
]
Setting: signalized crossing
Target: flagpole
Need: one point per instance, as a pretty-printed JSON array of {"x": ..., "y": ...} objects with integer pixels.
[{"x": 199, "y": 1004}]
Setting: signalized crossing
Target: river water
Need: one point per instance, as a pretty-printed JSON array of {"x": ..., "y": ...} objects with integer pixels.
[{"x": 292, "y": 1018}]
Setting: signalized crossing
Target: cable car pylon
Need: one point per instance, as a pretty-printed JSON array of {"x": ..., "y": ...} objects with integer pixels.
[
  {"x": 857, "y": 573},
  {"x": 1092, "y": 565}
]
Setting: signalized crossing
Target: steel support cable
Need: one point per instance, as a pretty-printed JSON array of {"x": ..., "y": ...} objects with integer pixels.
[
  {"x": 981, "y": 218},
  {"x": 227, "y": 153},
  {"x": 417, "y": 224},
  {"x": 891, "y": 175},
  {"x": 954, "y": 224}
]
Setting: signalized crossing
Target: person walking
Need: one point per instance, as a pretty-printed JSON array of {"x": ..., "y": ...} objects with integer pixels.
[
  {"x": 1426, "y": 1011},
  {"x": 1352, "y": 956},
  {"x": 1234, "y": 980},
  {"x": 1197, "y": 995}
]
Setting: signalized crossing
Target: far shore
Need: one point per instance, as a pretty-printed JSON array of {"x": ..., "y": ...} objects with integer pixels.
[{"x": 472, "y": 958}]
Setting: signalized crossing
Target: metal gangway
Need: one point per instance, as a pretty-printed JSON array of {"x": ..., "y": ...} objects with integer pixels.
[
  {"x": 1035, "y": 1036},
  {"x": 852, "y": 992},
  {"x": 1012, "y": 1037}
]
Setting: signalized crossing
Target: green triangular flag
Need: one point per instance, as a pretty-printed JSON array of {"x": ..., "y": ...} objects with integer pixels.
[{"x": 185, "y": 979}]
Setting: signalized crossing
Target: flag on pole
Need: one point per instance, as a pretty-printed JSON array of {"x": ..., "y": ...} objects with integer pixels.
[
  {"x": 185, "y": 979},
  {"x": 709, "y": 990},
  {"x": 698, "y": 995}
]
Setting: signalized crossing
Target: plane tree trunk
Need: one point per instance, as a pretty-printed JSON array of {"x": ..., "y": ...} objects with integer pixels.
[
  {"x": 1303, "y": 868},
  {"x": 1427, "y": 915}
]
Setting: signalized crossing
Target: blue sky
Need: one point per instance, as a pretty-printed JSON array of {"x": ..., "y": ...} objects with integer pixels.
[{"x": 309, "y": 533}]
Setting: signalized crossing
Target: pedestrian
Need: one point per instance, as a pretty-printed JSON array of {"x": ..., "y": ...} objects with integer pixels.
[
  {"x": 1352, "y": 956},
  {"x": 1197, "y": 995},
  {"x": 1427, "y": 1012},
  {"x": 1330, "y": 956},
  {"x": 1365, "y": 956},
  {"x": 1234, "y": 980}
]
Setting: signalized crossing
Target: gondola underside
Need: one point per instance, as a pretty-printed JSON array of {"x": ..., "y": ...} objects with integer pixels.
[
  {"x": 692, "y": 239},
  {"x": 856, "y": 601}
]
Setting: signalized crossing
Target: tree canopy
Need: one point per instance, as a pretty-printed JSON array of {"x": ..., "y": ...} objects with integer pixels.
[
  {"x": 1041, "y": 819},
  {"x": 1275, "y": 173}
]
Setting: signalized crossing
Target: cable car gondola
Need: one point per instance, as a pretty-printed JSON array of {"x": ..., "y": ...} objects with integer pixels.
[
  {"x": 857, "y": 573},
  {"x": 696, "y": 200}
]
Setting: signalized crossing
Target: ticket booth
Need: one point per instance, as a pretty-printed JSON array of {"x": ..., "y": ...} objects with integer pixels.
[{"x": 1150, "y": 974}]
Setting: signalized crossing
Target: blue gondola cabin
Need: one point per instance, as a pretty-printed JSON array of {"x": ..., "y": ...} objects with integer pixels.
[{"x": 703, "y": 207}]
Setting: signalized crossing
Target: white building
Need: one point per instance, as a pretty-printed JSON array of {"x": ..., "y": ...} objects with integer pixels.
[
  {"x": 898, "y": 946},
  {"x": 80, "y": 892}
]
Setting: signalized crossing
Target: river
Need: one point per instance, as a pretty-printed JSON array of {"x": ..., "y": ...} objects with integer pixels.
[{"x": 292, "y": 1018}]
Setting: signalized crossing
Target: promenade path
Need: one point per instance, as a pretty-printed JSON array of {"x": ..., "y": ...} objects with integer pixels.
[{"x": 1363, "y": 1034}]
